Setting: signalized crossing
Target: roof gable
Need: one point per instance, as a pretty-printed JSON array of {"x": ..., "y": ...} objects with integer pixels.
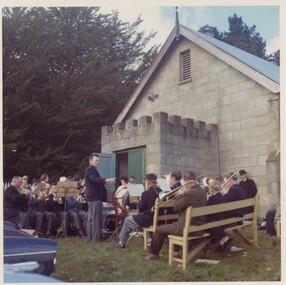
[{"x": 263, "y": 72}]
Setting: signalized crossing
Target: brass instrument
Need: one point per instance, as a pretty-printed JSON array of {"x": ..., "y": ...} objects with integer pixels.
[
  {"x": 166, "y": 196},
  {"x": 238, "y": 180}
]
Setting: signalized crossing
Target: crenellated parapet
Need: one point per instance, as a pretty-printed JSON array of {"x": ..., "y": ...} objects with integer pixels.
[{"x": 161, "y": 123}]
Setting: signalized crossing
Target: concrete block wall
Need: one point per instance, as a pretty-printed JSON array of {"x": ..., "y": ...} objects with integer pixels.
[
  {"x": 171, "y": 142},
  {"x": 246, "y": 113}
]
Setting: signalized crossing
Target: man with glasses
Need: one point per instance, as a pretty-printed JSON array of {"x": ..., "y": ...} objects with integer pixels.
[{"x": 96, "y": 194}]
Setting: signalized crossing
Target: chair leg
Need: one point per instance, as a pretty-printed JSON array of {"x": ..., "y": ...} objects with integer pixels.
[
  {"x": 145, "y": 239},
  {"x": 171, "y": 252}
]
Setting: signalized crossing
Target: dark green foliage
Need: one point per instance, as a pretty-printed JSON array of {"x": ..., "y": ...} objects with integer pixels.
[
  {"x": 274, "y": 57},
  {"x": 66, "y": 73},
  {"x": 244, "y": 37},
  {"x": 240, "y": 36}
]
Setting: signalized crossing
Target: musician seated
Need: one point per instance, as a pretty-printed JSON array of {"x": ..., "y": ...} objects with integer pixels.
[
  {"x": 218, "y": 234},
  {"x": 145, "y": 205},
  {"x": 189, "y": 195},
  {"x": 175, "y": 179},
  {"x": 121, "y": 193},
  {"x": 57, "y": 206},
  {"x": 14, "y": 202},
  {"x": 41, "y": 205},
  {"x": 76, "y": 213}
]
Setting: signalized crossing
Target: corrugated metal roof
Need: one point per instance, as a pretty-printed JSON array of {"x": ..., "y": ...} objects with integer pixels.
[{"x": 266, "y": 68}]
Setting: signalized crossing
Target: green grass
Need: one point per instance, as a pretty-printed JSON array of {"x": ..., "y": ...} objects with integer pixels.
[{"x": 78, "y": 261}]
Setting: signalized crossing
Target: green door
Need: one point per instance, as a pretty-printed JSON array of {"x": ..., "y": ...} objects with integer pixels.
[{"x": 137, "y": 164}]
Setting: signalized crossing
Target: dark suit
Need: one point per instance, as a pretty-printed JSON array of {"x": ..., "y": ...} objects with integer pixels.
[
  {"x": 218, "y": 232},
  {"x": 248, "y": 185},
  {"x": 96, "y": 193},
  {"x": 145, "y": 218},
  {"x": 235, "y": 193},
  {"x": 14, "y": 204},
  {"x": 148, "y": 198},
  {"x": 195, "y": 197}
]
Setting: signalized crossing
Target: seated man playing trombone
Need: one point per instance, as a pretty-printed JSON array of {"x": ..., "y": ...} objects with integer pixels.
[{"x": 190, "y": 194}]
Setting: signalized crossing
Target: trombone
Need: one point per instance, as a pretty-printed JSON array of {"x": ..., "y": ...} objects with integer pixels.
[
  {"x": 166, "y": 196},
  {"x": 237, "y": 181}
]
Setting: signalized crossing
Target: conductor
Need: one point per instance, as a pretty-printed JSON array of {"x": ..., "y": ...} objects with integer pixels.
[{"x": 96, "y": 193}]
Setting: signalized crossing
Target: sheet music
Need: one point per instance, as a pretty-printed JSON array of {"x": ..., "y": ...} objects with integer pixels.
[
  {"x": 135, "y": 190},
  {"x": 163, "y": 184}
]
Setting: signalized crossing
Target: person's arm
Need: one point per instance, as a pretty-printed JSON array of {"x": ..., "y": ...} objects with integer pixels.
[
  {"x": 181, "y": 203},
  {"x": 16, "y": 197},
  {"x": 143, "y": 203}
]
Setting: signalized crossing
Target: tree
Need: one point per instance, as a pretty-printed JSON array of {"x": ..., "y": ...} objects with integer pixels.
[
  {"x": 274, "y": 57},
  {"x": 240, "y": 36},
  {"x": 211, "y": 31},
  {"x": 66, "y": 73}
]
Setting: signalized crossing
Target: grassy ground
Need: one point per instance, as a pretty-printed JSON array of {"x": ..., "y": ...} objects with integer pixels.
[{"x": 78, "y": 261}]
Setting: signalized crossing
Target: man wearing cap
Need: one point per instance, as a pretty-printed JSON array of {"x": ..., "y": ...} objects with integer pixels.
[
  {"x": 145, "y": 205},
  {"x": 247, "y": 184}
]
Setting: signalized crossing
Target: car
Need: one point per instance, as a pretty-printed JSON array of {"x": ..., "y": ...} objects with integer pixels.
[
  {"x": 20, "y": 246},
  {"x": 23, "y": 273}
]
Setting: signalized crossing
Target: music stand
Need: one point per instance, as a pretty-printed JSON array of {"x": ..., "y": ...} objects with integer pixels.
[{"x": 65, "y": 190}]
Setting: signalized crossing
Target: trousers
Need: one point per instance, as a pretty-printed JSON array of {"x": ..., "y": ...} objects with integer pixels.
[
  {"x": 128, "y": 225},
  {"x": 94, "y": 221}
]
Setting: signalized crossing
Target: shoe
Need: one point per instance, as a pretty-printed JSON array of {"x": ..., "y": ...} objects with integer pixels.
[
  {"x": 151, "y": 256},
  {"x": 119, "y": 245},
  {"x": 226, "y": 245},
  {"x": 235, "y": 249}
]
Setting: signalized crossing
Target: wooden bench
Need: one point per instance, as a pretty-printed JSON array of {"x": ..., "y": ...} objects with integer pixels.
[
  {"x": 161, "y": 216},
  {"x": 248, "y": 220}
]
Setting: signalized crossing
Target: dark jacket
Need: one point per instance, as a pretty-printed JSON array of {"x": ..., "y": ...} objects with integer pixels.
[
  {"x": 14, "y": 202},
  {"x": 148, "y": 198},
  {"x": 249, "y": 187},
  {"x": 95, "y": 189},
  {"x": 214, "y": 200},
  {"x": 235, "y": 193},
  {"x": 54, "y": 206},
  {"x": 73, "y": 205}
]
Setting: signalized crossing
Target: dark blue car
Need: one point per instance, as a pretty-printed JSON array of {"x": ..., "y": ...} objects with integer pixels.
[{"x": 20, "y": 246}]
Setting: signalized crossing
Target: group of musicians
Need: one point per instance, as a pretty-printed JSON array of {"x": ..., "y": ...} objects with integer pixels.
[
  {"x": 42, "y": 210},
  {"x": 217, "y": 190}
]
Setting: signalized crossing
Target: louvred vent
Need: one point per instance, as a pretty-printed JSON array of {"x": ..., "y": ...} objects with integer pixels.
[{"x": 185, "y": 63}]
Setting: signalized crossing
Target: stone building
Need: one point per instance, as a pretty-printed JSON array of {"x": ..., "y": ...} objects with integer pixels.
[{"x": 204, "y": 106}]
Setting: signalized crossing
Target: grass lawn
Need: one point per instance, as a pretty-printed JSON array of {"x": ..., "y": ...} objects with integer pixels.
[{"x": 78, "y": 261}]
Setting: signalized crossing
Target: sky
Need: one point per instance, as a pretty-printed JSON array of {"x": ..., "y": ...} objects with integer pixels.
[{"x": 162, "y": 19}]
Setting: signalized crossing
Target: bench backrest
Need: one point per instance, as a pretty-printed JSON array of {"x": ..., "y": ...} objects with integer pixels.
[{"x": 207, "y": 210}]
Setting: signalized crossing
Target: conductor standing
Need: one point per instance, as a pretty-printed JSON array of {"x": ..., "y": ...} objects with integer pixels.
[{"x": 96, "y": 193}]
